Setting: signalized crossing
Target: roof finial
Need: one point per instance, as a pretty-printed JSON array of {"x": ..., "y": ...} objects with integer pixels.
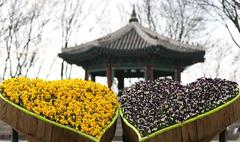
[{"x": 133, "y": 16}]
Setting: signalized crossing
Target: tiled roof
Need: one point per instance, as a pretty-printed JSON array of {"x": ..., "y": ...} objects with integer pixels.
[
  {"x": 133, "y": 36},
  {"x": 133, "y": 40}
]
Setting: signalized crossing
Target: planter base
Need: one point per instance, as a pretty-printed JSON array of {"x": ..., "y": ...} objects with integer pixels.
[{"x": 202, "y": 129}]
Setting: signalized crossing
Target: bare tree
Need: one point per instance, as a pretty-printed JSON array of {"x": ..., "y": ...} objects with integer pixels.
[
  {"x": 71, "y": 12},
  {"x": 227, "y": 12},
  {"x": 235, "y": 66},
  {"x": 72, "y": 19},
  {"x": 178, "y": 19},
  {"x": 147, "y": 9},
  {"x": 184, "y": 20},
  {"x": 148, "y": 12},
  {"x": 22, "y": 31},
  {"x": 216, "y": 54}
]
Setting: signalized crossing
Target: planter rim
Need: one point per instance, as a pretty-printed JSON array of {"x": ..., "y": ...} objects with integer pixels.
[
  {"x": 42, "y": 118},
  {"x": 142, "y": 139}
]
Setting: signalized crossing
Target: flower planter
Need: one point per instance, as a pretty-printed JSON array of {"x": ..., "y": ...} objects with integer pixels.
[
  {"x": 201, "y": 128},
  {"x": 39, "y": 129}
]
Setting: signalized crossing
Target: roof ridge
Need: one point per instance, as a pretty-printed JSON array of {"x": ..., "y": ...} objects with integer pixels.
[
  {"x": 152, "y": 38},
  {"x": 138, "y": 27}
]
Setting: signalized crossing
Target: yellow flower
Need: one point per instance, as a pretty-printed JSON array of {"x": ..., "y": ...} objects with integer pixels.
[{"x": 83, "y": 105}]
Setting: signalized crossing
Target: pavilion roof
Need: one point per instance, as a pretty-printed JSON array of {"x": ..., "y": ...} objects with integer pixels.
[{"x": 132, "y": 40}]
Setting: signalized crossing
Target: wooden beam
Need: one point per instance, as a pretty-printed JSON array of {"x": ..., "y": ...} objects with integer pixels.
[
  {"x": 148, "y": 72},
  {"x": 177, "y": 73},
  {"x": 222, "y": 136},
  {"x": 109, "y": 76},
  {"x": 86, "y": 77},
  {"x": 14, "y": 137}
]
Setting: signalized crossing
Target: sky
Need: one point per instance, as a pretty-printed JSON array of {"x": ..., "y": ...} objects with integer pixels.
[{"x": 114, "y": 16}]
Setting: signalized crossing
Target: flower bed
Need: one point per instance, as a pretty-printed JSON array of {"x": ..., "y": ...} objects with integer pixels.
[
  {"x": 82, "y": 105},
  {"x": 151, "y": 108}
]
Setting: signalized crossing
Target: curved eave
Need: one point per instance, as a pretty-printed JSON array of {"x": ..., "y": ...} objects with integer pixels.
[
  {"x": 131, "y": 37},
  {"x": 96, "y": 53}
]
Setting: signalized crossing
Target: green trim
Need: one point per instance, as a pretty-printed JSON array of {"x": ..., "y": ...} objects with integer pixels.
[
  {"x": 129, "y": 125},
  {"x": 60, "y": 125},
  {"x": 111, "y": 123},
  {"x": 212, "y": 111},
  {"x": 142, "y": 139}
]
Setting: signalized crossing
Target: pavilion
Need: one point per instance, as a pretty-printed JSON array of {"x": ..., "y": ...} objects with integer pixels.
[{"x": 133, "y": 51}]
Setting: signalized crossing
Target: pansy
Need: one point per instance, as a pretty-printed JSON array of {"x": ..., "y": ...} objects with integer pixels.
[{"x": 83, "y": 105}]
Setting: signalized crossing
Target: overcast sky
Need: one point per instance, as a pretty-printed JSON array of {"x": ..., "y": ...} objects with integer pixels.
[{"x": 116, "y": 15}]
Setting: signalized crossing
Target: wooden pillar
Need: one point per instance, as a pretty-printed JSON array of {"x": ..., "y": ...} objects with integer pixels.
[
  {"x": 177, "y": 73},
  {"x": 109, "y": 76},
  {"x": 148, "y": 72},
  {"x": 86, "y": 77},
  {"x": 120, "y": 85},
  {"x": 93, "y": 77},
  {"x": 222, "y": 136},
  {"x": 14, "y": 137}
]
